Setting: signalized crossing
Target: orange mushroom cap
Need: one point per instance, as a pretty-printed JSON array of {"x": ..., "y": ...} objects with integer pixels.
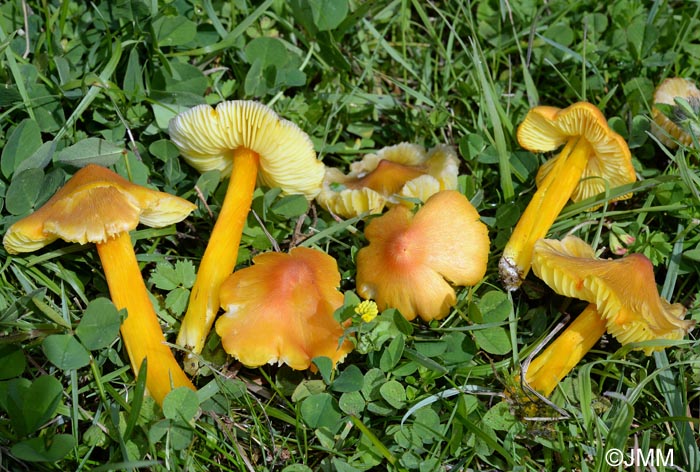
[
  {"x": 623, "y": 290},
  {"x": 94, "y": 206},
  {"x": 281, "y": 310},
  {"x": 410, "y": 256},
  {"x": 609, "y": 163},
  {"x": 392, "y": 175},
  {"x": 668, "y": 129}
]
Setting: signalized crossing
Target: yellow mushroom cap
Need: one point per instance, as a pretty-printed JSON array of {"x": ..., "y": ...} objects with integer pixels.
[
  {"x": 623, "y": 290},
  {"x": 94, "y": 206},
  {"x": 547, "y": 128},
  {"x": 410, "y": 256},
  {"x": 281, "y": 310},
  {"x": 665, "y": 128},
  {"x": 208, "y": 138},
  {"x": 389, "y": 177}
]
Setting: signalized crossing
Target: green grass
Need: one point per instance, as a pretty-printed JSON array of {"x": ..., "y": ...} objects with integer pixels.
[{"x": 418, "y": 397}]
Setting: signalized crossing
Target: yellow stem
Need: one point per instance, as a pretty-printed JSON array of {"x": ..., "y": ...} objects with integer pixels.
[
  {"x": 562, "y": 355},
  {"x": 141, "y": 331},
  {"x": 220, "y": 255},
  {"x": 548, "y": 201}
]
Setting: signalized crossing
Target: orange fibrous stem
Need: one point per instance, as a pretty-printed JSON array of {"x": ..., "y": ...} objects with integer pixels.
[
  {"x": 220, "y": 255},
  {"x": 549, "y": 199},
  {"x": 141, "y": 330},
  {"x": 562, "y": 355}
]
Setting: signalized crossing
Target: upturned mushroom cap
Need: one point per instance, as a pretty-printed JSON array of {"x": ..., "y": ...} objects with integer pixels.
[
  {"x": 666, "y": 129},
  {"x": 208, "y": 137},
  {"x": 389, "y": 177},
  {"x": 281, "y": 310},
  {"x": 623, "y": 290},
  {"x": 410, "y": 256},
  {"x": 547, "y": 128},
  {"x": 94, "y": 206}
]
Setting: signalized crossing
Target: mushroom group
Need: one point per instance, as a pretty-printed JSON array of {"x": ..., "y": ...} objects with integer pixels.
[
  {"x": 430, "y": 239},
  {"x": 249, "y": 143}
]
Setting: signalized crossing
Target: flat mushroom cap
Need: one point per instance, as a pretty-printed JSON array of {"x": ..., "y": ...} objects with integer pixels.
[
  {"x": 624, "y": 290},
  {"x": 410, "y": 256},
  {"x": 392, "y": 175},
  {"x": 95, "y": 205},
  {"x": 547, "y": 128},
  {"x": 664, "y": 128},
  {"x": 207, "y": 139},
  {"x": 281, "y": 310}
]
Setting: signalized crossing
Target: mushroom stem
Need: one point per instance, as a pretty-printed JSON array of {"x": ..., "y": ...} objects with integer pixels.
[
  {"x": 548, "y": 201},
  {"x": 562, "y": 355},
  {"x": 220, "y": 255},
  {"x": 140, "y": 330}
]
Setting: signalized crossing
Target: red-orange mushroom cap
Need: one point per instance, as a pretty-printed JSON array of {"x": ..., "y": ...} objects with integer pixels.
[
  {"x": 623, "y": 290},
  {"x": 410, "y": 256},
  {"x": 280, "y": 310}
]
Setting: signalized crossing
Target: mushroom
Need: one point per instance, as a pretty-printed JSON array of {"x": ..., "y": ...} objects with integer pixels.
[
  {"x": 96, "y": 205},
  {"x": 395, "y": 174},
  {"x": 623, "y": 300},
  {"x": 594, "y": 159},
  {"x": 249, "y": 142},
  {"x": 281, "y": 308},
  {"x": 669, "y": 130},
  {"x": 409, "y": 256}
]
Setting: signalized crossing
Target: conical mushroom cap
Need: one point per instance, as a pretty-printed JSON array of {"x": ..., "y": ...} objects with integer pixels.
[
  {"x": 389, "y": 177},
  {"x": 610, "y": 162},
  {"x": 208, "y": 138},
  {"x": 281, "y": 310},
  {"x": 95, "y": 205},
  {"x": 410, "y": 256},
  {"x": 666, "y": 129},
  {"x": 623, "y": 290}
]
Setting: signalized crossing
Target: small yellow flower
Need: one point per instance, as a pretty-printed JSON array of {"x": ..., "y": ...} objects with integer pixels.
[{"x": 367, "y": 310}]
